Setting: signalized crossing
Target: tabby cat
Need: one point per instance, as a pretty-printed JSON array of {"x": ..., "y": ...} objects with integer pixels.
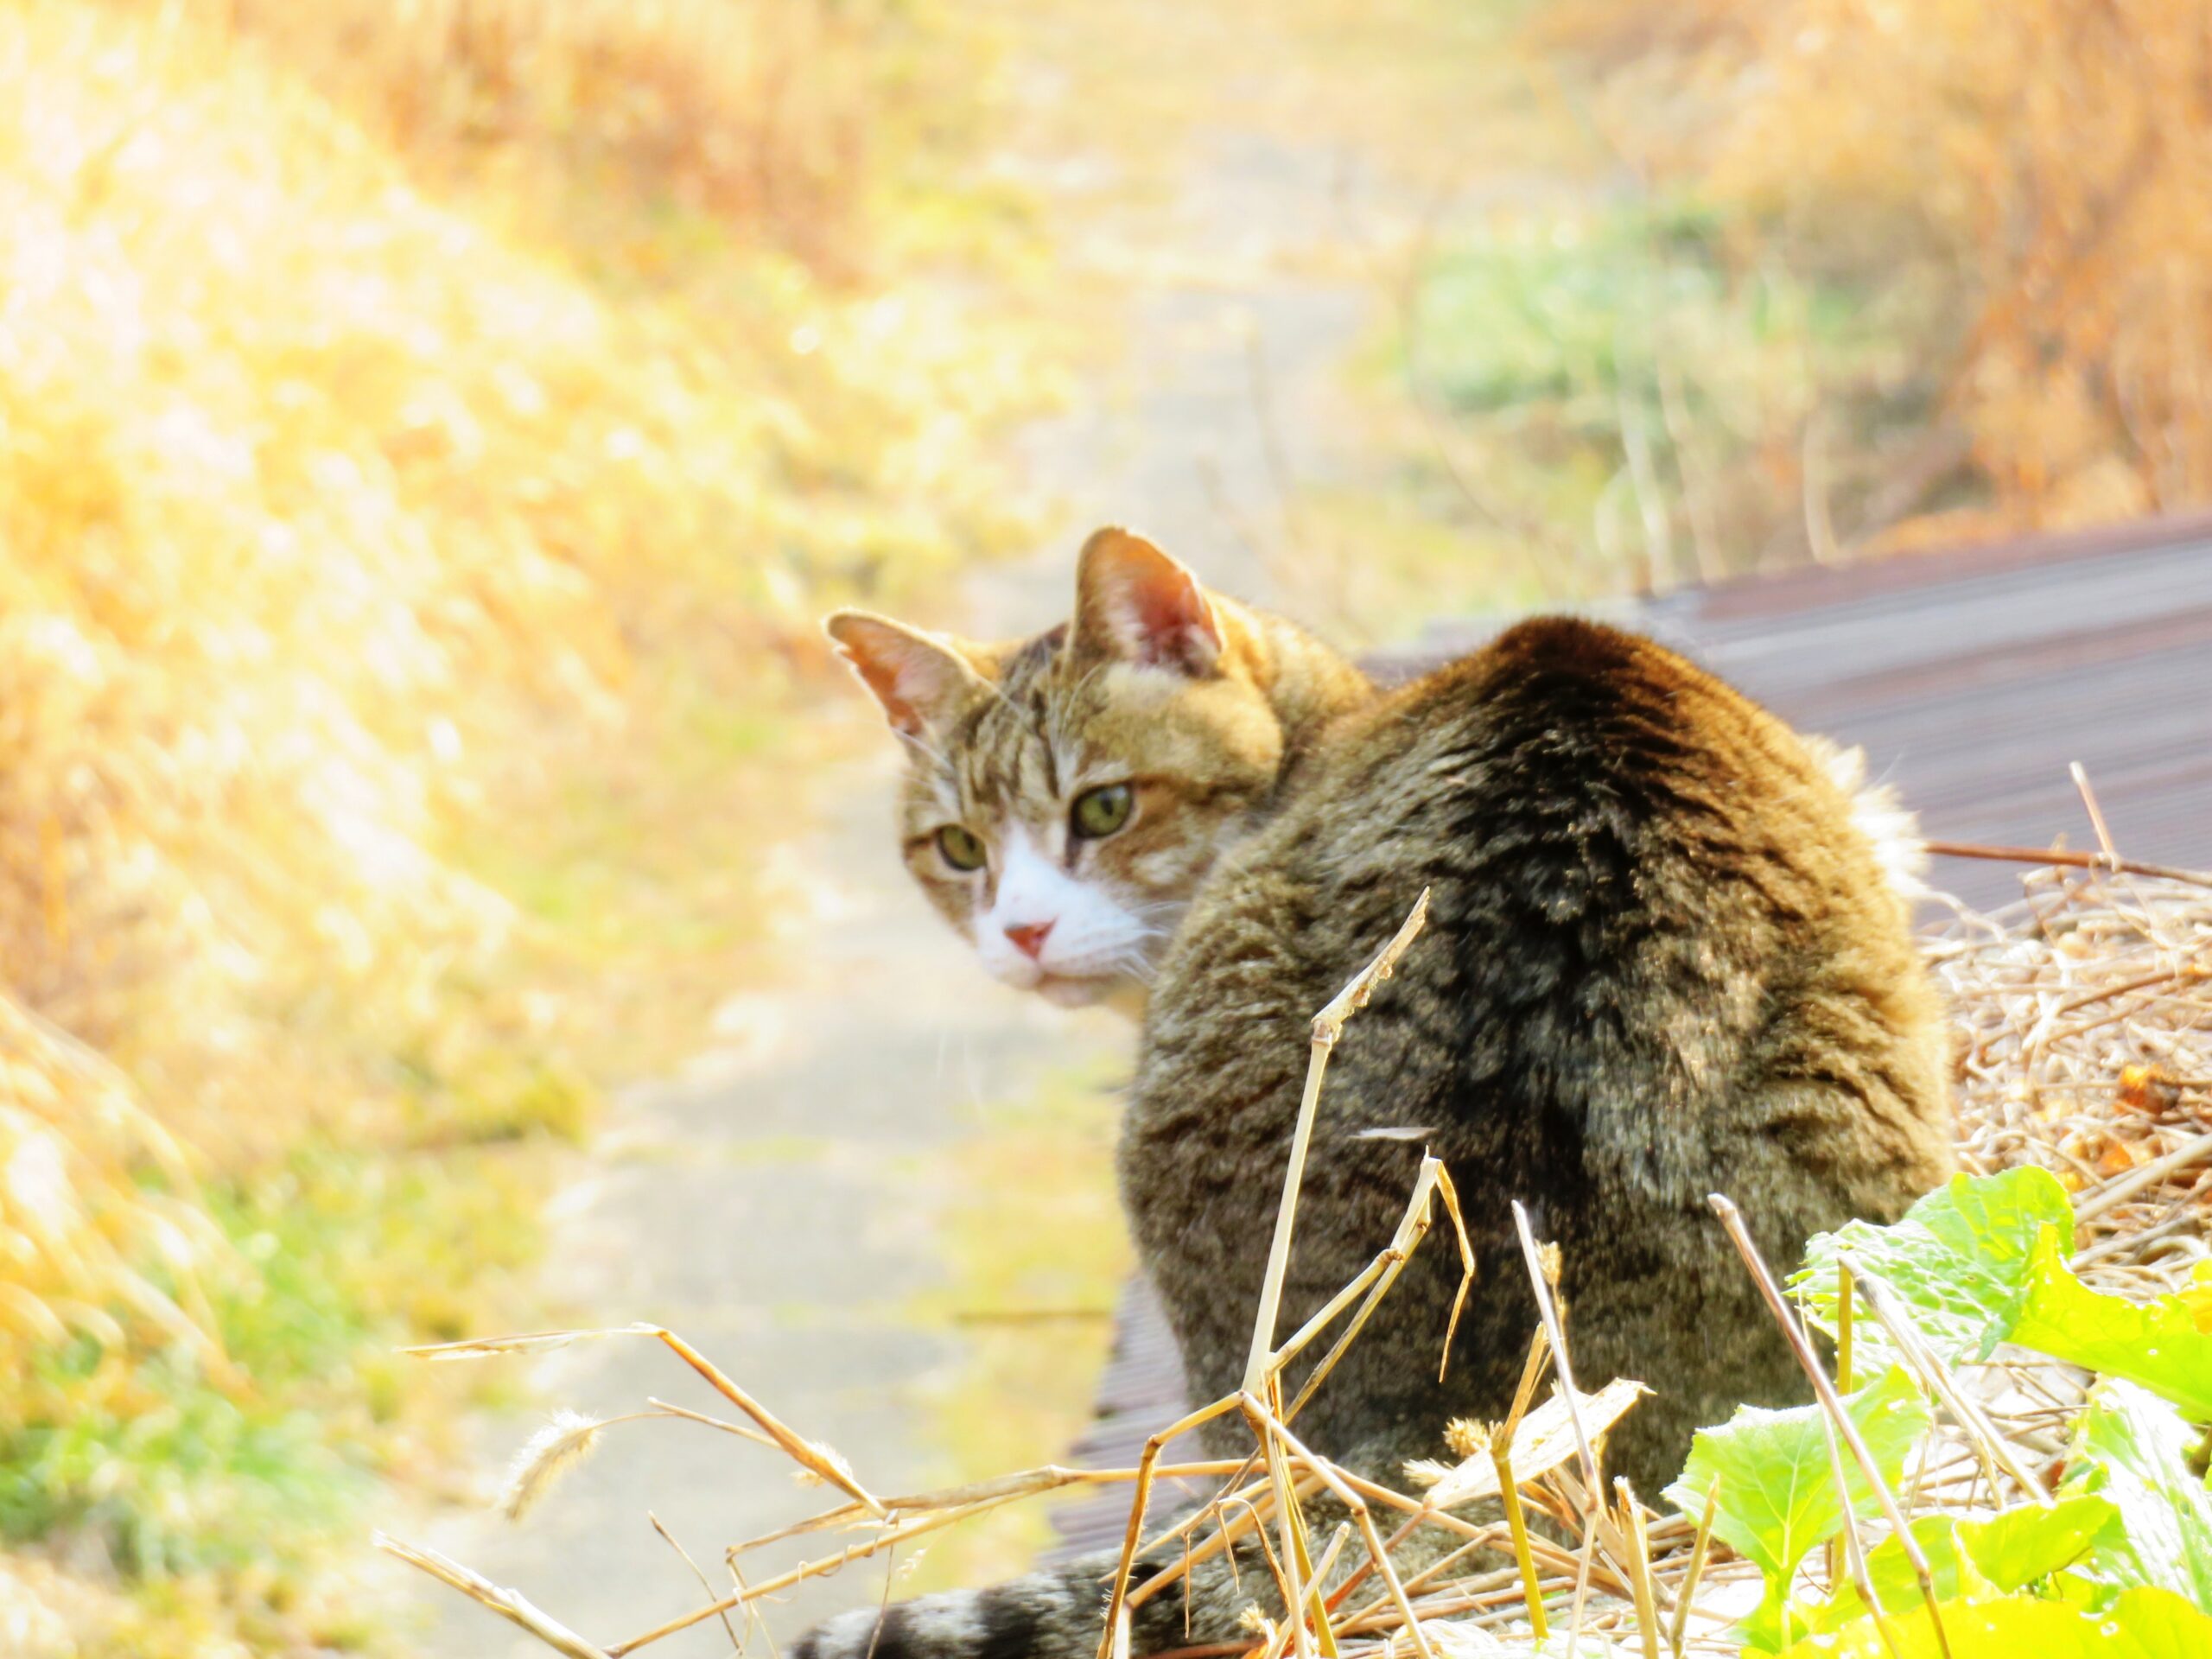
[{"x": 1662, "y": 959}]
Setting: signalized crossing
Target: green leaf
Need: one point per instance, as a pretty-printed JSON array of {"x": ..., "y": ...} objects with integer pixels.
[
  {"x": 2131, "y": 1448},
  {"x": 1959, "y": 1260},
  {"x": 1777, "y": 1496},
  {"x": 2021, "y": 1545},
  {"x": 1974, "y": 1560},
  {"x": 2143, "y": 1623},
  {"x": 2158, "y": 1624},
  {"x": 1896, "y": 1587},
  {"x": 2155, "y": 1344}
]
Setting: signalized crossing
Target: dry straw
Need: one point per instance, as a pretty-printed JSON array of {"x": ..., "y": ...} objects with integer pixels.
[{"x": 2085, "y": 1020}]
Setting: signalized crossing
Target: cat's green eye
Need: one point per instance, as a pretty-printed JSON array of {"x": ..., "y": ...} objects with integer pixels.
[
  {"x": 961, "y": 849},
  {"x": 1103, "y": 810}
]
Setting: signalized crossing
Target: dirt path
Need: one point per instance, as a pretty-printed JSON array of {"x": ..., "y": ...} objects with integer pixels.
[{"x": 763, "y": 1203}]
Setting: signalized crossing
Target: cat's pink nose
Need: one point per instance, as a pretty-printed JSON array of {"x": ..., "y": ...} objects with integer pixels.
[{"x": 1029, "y": 938}]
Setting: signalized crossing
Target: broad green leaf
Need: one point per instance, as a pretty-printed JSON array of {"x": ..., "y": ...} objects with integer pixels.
[
  {"x": 1959, "y": 1260},
  {"x": 1973, "y": 1561},
  {"x": 2143, "y": 1623},
  {"x": 1896, "y": 1587},
  {"x": 1776, "y": 1495},
  {"x": 2131, "y": 1448},
  {"x": 2157, "y": 1344},
  {"x": 2198, "y": 1299},
  {"x": 2157, "y": 1623},
  {"x": 2021, "y": 1545}
]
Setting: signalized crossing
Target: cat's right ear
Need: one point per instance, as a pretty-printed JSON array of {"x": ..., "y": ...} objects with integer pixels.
[
  {"x": 922, "y": 680},
  {"x": 1135, "y": 603}
]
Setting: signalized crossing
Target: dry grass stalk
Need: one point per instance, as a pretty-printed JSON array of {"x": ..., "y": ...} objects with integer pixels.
[
  {"x": 670, "y": 1539},
  {"x": 1639, "y": 1566},
  {"x": 1328, "y": 1027},
  {"x": 1846, "y": 1318},
  {"x": 1502, "y": 1448},
  {"x": 1286, "y": 1561},
  {"x": 1150, "y": 1457},
  {"x": 2059, "y": 858},
  {"x": 1253, "y": 1505},
  {"x": 1831, "y": 1404},
  {"x": 812, "y": 1456},
  {"x": 1989, "y": 1446},
  {"x": 1541, "y": 1279},
  {"x": 1432, "y": 1185},
  {"x": 664, "y": 1409},
  {"x": 1543, "y": 1440},
  {"x": 1288, "y": 1445},
  {"x": 545, "y": 1457},
  {"x": 1509, "y": 1490},
  {"x": 510, "y": 1605},
  {"x": 1686, "y": 1596},
  {"x": 1027, "y": 1482},
  {"x": 1321, "y": 1570}
]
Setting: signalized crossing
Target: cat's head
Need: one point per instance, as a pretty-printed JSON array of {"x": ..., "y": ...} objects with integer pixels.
[{"x": 1064, "y": 795}]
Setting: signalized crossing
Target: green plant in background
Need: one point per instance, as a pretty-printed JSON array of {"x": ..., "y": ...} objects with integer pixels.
[
  {"x": 2118, "y": 1561},
  {"x": 1648, "y": 397}
]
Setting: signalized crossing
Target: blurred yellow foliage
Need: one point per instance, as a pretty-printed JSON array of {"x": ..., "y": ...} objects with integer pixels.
[
  {"x": 2042, "y": 163},
  {"x": 764, "y": 115},
  {"x": 75, "y": 1231},
  {"x": 422, "y": 431}
]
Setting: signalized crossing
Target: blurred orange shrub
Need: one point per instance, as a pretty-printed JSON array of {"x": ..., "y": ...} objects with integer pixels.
[{"x": 2038, "y": 166}]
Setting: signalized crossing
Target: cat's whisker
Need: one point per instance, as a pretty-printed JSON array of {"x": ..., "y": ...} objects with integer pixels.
[{"x": 1135, "y": 965}]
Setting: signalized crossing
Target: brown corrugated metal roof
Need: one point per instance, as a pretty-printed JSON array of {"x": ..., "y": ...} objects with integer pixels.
[{"x": 1971, "y": 678}]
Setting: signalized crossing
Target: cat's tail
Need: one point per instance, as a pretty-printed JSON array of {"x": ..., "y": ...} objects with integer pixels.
[
  {"x": 1058, "y": 1613},
  {"x": 1879, "y": 814}
]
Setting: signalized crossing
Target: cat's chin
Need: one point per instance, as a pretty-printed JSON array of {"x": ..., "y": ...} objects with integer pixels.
[
  {"x": 1067, "y": 991},
  {"x": 1122, "y": 994}
]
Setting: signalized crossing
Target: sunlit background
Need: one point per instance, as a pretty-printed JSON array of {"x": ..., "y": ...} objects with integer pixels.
[{"x": 429, "y": 429}]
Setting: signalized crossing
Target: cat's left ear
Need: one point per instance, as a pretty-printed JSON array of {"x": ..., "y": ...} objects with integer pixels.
[
  {"x": 922, "y": 680},
  {"x": 1133, "y": 603}
]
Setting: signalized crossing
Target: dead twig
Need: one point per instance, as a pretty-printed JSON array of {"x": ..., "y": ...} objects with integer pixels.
[
  {"x": 1733, "y": 1220},
  {"x": 815, "y": 1459},
  {"x": 510, "y": 1605},
  {"x": 2063, "y": 859}
]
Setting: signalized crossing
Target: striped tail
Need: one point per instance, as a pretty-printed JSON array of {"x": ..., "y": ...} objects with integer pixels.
[
  {"x": 1056, "y": 1614},
  {"x": 1060, "y": 1614}
]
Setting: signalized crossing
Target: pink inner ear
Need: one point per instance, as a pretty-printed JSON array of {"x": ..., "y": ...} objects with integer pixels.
[
  {"x": 913, "y": 679},
  {"x": 882, "y": 678},
  {"x": 1169, "y": 622}
]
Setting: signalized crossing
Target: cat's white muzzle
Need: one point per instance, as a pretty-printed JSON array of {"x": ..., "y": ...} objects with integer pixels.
[{"x": 1090, "y": 943}]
